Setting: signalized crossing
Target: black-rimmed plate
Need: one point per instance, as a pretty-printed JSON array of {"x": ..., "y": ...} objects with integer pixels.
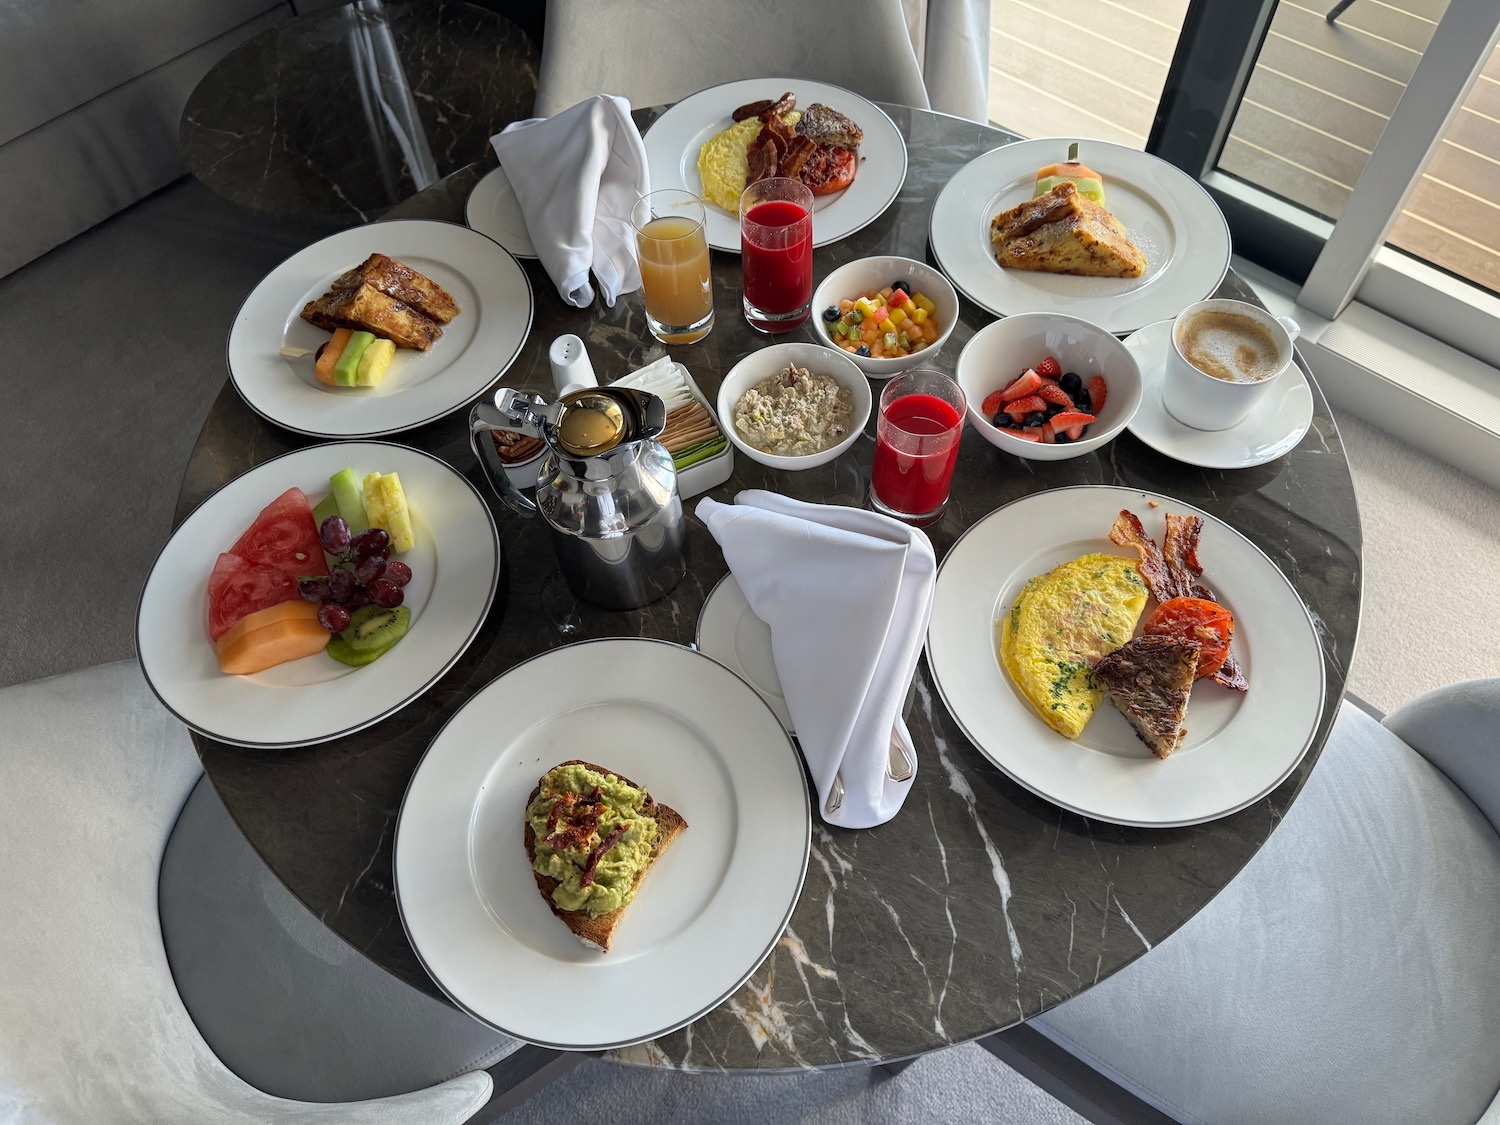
[
  {"x": 710, "y": 911},
  {"x": 455, "y": 565},
  {"x": 475, "y": 349},
  {"x": 1239, "y": 746}
]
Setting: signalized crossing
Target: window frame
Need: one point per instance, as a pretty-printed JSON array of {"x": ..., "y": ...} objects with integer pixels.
[{"x": 1334, "y": 262}]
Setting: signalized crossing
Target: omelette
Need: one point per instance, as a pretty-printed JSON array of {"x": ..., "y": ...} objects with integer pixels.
[
  {"x": 1059, "y": 624},
  {"x": 723, "y": 165}
]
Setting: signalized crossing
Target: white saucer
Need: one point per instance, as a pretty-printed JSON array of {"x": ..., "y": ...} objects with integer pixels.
[
  {"x": 1272, "y": 429},
  {"x": 495, "y": 212},
  {"x": 729, "y": 631}
]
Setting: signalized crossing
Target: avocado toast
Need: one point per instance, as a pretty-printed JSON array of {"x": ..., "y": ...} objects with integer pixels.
[{"x": 591, "y": 836}]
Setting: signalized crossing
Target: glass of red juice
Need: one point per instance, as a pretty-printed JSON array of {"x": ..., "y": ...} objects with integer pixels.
[
  {"x": 776, "y": 253},
  {"x": 917, "y": 432}
]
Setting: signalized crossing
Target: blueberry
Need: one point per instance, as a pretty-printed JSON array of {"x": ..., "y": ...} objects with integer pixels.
[
  {"x": 903, "y": 285},
  {"x": 864, "y": 350},
  {"x": 1036, "y": 417},
  {"x": 1082, "y": 400},
  {"x": 831, "y": 313},
  {"x": 1062, "y": 438},
  {"x": 1054, "y": 408},
  {"x": 1001, "y": 419},
  {"x": 1071, "y": 383}
]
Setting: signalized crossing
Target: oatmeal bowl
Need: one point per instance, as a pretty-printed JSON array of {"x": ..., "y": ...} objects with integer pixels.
[{"x": 795, "y": 405}]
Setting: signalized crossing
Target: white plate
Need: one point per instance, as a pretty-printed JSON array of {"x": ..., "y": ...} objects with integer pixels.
[
  {"x": 1239, "y": 746},
  {"x": 707, "y": 915},
  {"x": 455, "y": 565},
  {"x": 1271, "y": 430},
  {"x": 489, "y": 285},
  {"x": 729, "y": 631},
  {"x": 1176, "y": 224},
  {"x": 673, "y": 141},
  {"x": 495, "y": 212}
]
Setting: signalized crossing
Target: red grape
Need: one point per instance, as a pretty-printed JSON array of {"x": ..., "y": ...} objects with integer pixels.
[
  {"x": 374, "y": 543},
  {"x": 334, "y": 618},
  {"x": 341, "y": 585},
  {"x": 313, "y": 589},
  {"x": 334, "y": 535},
  {"x": 367, "y": 570},
  {"x": 398, "y": 572},
  {"x": 386, "y": 593}
]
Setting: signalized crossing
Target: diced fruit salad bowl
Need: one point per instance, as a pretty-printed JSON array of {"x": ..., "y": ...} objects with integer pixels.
[
  {"x": 1018, "y": 370},
  {"x": 928, "y": 312}
]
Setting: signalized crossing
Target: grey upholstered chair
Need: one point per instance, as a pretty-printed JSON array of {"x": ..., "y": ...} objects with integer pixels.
[
  {"x": 1351, "y": 972},
  {"x": 92, "y": 1026},
  {"x": 658, "y": 51}
]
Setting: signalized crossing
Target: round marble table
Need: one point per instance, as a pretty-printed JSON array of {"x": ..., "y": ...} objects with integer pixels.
[
  {"x": 980, "y": 904},
  {"x": 344, "y": 112}
]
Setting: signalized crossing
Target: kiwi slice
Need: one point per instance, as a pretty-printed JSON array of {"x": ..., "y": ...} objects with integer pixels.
[{"x": 372, "y": 630}]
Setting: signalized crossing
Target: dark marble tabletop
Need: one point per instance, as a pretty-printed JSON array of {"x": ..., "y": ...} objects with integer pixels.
[
  {"x": 980, "y": 904},
  {"x": 297, "y": 121}
]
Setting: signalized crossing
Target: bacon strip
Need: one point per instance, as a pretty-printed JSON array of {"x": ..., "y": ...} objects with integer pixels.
[
  {"x": 1129, "y": 532},
  {"x": 598, "y": 853},
  {"x": 1173, "y": 572}
]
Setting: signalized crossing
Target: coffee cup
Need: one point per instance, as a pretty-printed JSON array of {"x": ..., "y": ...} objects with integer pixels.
[{"x": 1225, "y": 357}]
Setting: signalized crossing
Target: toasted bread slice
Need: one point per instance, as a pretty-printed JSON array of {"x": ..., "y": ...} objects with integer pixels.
[
  {"x": 597, "y": 932},
  {"x": 1150, "y": 680},
  {"x": 1065, "y": 232},
  {"x": 399, "y": 281},
  {"x": 367, "y": 309}
]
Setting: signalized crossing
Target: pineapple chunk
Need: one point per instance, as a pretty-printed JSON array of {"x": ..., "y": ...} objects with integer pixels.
[
  {"x": 373, "y": 363},
  {"x": 374, "y": 507},
  {"x": 396, "y": 512}
]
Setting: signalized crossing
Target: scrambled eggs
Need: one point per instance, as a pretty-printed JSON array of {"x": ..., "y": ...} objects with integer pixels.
[
  {"x": 1060, "y": 623},
  {"x": 723, "y": 165}
]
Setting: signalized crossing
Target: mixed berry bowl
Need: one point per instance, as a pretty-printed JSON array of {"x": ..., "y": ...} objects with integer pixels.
[{"x": 1048, "y": 387}]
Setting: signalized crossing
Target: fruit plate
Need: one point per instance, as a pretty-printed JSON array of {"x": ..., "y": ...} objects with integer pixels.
[
  {"x": 673, "y": 140},
  {"x": 455, "y": 565},
  {"x": 1239, "y": 746},
  {"x": 476, "y": 348},
  {"x": 1176, "y": 224},
  {"x": 700, "y": 740}
]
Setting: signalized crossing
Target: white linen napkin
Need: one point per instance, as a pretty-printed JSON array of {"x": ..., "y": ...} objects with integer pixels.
[
  {"x": 847, "y": 594},
  {"x": 576, "y": 177}
]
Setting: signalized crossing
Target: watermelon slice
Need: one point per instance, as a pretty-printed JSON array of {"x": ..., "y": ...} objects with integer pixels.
[
  {"x": 284, "y": 536},
  {"x": 237, "y": 588}
]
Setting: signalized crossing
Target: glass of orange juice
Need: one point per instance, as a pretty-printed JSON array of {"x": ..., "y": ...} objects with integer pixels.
[{"x": 673, "y": 251}]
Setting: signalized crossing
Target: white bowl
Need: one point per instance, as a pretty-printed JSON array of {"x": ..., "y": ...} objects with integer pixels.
[
  {"x": 854, "y": 278},
  {"x": 768, "y": 361},
  {"x": 1001, "y": 351}
]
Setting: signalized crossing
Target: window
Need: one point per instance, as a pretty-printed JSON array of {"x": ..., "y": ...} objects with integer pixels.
[{"x": 1354, "y": 155}]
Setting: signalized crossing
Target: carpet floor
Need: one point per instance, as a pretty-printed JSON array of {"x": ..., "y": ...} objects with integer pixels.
[{"x": 95, "y": 508}]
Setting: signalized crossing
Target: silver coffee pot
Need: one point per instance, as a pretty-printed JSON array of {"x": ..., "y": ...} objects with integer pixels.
[{"x": 605, "y": 486}]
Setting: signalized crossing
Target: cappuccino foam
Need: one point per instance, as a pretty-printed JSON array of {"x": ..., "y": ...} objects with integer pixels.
[{"x": 1229, "y": 346}]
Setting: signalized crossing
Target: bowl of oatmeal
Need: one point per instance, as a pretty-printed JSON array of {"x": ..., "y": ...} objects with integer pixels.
[{"x": 794, "y": 405}]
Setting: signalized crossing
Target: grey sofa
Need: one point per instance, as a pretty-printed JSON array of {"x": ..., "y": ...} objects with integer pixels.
[{"x": 90, "y": 96}]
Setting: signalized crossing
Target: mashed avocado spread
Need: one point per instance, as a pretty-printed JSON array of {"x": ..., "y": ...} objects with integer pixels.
[{"x": 596, "y": 809}]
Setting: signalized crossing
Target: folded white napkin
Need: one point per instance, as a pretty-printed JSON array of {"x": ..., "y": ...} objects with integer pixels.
[
  {"x": 576, "y": 177},
  {"x": 847, "y": 594}
]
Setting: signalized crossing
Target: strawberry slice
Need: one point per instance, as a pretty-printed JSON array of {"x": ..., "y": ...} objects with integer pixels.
[
  {"x": 1049, "y": 368},
  {"x": 1097, "y": 393},
  {"x": 1032, "y": 434},
  {"x": 1071, "y": 422},
  {"x": 1051, "y": 392},
  {"x": 1020, "y": 407},
  {"x": 991, "y": 405},
  {"x": 1049, "y": 435},
  {"x": 1024, "y": 384}
]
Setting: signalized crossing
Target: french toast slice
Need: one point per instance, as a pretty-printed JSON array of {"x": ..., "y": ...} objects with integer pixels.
[
  {"x": 401, "y": 282},
  {"x": 598, "y": 931},
  {"x": 365, "y": 308},
  {"x": 1150, "y": 680},
  {"x": 1063, "y": 231}
]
